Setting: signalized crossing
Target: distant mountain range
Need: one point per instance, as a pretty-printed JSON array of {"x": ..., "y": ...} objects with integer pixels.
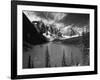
[{"x": 37, "y": 32}]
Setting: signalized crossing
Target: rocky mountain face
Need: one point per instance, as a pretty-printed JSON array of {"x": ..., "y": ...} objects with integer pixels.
[{"x": 30, "y": 33}]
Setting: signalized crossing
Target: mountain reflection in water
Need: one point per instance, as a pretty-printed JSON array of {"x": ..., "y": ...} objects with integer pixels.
[{"x": 55, "y": 54}]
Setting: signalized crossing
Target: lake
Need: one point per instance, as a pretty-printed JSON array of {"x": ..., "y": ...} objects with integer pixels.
[{"x": 55, "y": 54}]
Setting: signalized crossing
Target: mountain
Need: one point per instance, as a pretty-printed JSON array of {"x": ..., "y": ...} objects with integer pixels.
[{"x": 30, "y": 33}]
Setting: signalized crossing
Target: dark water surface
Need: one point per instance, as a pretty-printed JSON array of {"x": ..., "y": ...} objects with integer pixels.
[{"x": 55, "y": 54}]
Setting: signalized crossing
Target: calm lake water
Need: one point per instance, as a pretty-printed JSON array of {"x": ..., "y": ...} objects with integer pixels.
[{"x": 55, "y": 54}]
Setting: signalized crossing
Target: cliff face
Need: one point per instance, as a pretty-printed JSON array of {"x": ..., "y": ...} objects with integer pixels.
[{"x": 30, "y": 33}]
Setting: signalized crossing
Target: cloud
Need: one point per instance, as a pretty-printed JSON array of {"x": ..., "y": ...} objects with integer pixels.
[
  {"x": 59, "y": 19},
  {"x": 46, "y": 17},
  {"x": 77, "y": 19},
  {"x": 32, "y": 16},
  {"x": 58, "y": 16}
]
